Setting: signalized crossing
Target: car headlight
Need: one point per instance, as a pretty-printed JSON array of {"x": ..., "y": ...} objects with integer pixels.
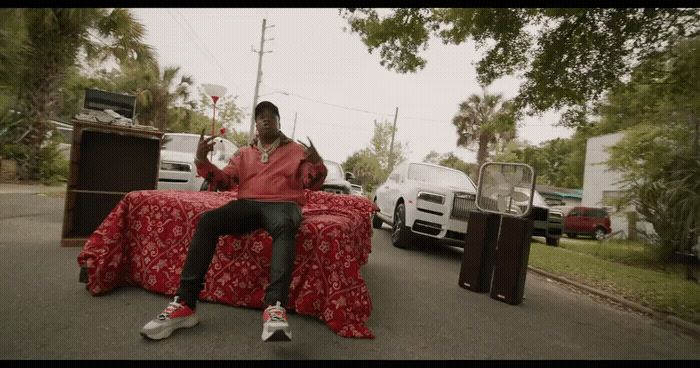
[
  {"x": 432, "y": 197},
  {"x": 174, "y": 166}
]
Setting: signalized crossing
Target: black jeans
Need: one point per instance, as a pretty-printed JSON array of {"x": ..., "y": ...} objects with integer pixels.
[{"x": 280, "y": 219}]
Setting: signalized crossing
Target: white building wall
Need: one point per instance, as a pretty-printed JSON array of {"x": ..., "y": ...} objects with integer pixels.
[{"x": 598, "y": 178}]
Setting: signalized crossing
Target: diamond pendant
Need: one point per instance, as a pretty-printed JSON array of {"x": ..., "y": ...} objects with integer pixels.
[{"x": 264, "y": 158}]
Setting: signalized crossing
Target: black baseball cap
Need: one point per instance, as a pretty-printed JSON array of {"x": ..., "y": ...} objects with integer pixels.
[{"x": 267, "y": 105}]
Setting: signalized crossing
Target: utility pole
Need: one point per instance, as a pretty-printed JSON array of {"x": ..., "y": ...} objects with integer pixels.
[
  {"x": 259, "y": 76},
  {"x": 391, "y": 147},
  {"x": 295, "y": 125}
]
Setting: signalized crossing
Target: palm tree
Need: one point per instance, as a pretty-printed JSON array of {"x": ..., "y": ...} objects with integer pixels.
[
  {"x": 485, "y": 121},
  {"x": 56, "y": 38},
  {"x": 156, "y": 92},
  {"x": 12, "y": 44}
]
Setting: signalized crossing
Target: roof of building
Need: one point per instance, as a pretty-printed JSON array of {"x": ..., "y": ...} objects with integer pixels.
[{"x": 563, "y": 192}]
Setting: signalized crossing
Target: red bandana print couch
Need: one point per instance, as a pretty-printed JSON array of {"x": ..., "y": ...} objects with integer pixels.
[{"x": 144, "y": 240}]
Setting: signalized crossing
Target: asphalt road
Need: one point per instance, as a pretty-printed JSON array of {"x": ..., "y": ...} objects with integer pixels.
[{"x": 419, "y": 312}]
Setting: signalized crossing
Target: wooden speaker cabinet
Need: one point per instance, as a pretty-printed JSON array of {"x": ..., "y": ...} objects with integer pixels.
[
  {"x": 512, "y": 253},
  {"x": 106, "y": 162},
  {"x": 479, "y": 251}
]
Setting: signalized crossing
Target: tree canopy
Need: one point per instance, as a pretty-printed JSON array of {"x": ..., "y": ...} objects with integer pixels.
[{"x": 567, "y": 57}]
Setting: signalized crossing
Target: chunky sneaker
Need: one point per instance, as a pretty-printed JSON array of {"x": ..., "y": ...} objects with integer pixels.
[
  {"x": 275, "y": 326},
  {"x": 176, "y": 315}
]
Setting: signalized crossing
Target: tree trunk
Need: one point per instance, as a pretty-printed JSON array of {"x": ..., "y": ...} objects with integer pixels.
[{"x": 483, "y": 152}]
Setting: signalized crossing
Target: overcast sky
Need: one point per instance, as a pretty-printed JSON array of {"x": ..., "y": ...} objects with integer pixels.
[{"x": 334, "y": 85}]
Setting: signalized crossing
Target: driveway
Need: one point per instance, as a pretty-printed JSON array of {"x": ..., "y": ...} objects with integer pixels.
[{"x": 419, "y": 312}]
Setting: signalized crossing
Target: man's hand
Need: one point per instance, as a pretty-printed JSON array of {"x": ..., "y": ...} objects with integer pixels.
[
  {"x": 311, "y": 154},
  {"x": 204, "y": 147}
]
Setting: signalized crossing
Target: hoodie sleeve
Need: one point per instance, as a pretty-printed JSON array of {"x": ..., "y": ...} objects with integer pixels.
[
  {"x": 221, "y": 179},
  {"x": 313, "y": 174}
]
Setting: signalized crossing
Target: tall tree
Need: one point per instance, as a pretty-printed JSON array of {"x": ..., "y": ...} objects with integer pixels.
[
  {"x": 365, "y": 167},
  {"x": 484, "y": 121},
  {"x": 433, "y": 157},
  {"x": 659, "y": 158},
  {"x": 568, "y": 57},
  {"x": 12, "y": 45},
  {"x": 228, "y": 114},
  {"x": 156, "y": 92},
  {"x": 380, "y": 146},
  {"x": 448, "y": 160},
  {"x": 55, "y": 39}
]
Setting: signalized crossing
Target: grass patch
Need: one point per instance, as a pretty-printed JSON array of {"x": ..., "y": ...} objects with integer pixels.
[
  {"x": 665, "y": 291},
  {"x": 622, "y": 251}
]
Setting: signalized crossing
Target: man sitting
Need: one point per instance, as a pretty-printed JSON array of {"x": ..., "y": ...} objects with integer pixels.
[{"x": 272, "y": 173}]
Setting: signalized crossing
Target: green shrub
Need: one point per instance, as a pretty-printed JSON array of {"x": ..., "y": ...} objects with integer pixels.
[{"x": 53, "y": 168}]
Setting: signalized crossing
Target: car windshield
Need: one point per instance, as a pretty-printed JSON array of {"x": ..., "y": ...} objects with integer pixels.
[
  {"x": 335, "y": 171},
  {"x": 439, "y": 175},
  {"x": 180, "y": 143}
]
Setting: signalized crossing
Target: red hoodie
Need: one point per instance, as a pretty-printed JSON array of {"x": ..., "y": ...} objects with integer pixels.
[{"x": 282, "y": 179}]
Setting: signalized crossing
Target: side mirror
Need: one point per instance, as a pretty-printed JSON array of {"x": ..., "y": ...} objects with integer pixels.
[{"x": 349, "y": 176}]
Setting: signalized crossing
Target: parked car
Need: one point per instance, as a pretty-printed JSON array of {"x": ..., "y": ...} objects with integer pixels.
[
  {"x": 336, "y": 179},
  {"x": 422, "y": 199},
  {"x": 357, "y": 189},
  {"x": 177, "y": 168},
  {"x": 547, "y": 221},
  {"x": 591, "y": 221}
]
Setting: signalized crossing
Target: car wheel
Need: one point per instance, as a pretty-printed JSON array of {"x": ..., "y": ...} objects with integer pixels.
[
  {"x": 400, "y": 234},
  {"x": 554, "y": 242},
  {"x": 376, "y": 221},
  {"x": 571, "y": 235},
  {"x": 599, "y": 234}
]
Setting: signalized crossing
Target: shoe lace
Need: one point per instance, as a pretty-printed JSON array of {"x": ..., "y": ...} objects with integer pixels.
[
  {"x": 276, "y": 312},
  {"x": 172, "y": 307}
]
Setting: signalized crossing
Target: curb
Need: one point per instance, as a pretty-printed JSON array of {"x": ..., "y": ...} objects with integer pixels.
[{"x": 689, "y": 326}]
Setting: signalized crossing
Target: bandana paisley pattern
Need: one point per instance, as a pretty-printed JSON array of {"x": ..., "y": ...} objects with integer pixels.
[{"x": 143, "y": 242}]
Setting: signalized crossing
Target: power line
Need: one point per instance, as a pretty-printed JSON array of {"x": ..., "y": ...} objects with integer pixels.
[
  {"x": 382, "y": 114},
  {"x": 207, "y": 54},
  {"x": 216, "y": 60},
  {"x": 375, "y": 112}
]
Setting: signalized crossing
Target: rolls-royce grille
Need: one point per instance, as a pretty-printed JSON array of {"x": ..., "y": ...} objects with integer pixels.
[{"x": 462, "y": 204}]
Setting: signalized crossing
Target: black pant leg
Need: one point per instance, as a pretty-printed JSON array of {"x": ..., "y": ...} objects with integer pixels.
[
  {"x": 234, "y": 218},
  {"x": 281, "y": 220}
]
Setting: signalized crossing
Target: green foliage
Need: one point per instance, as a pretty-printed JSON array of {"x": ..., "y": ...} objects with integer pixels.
[
  {"x": 13, "y": 37},
  {"x": 366, "y": 169},
  {"x": 228, "y": 113},
  {"x": 485, "y": 121},
  {"x": 370, "y": 165},
  {"x": 52, "y": 42},
  {"x": 568, "y": 57},
  {"x": 53, "y": 167},
  {"x": 380, "y": 145},
  {"x": 658, "y": 158},
  {"x": 239, "y": 137},
  {"x": 449, "y": 160},
  {"x": 156, "y": 92}
]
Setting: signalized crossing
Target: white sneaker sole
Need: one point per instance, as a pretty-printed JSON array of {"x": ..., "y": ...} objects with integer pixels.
[
  {"x": 167, "y": 331},
  {"x": 276, "y": 332}
]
